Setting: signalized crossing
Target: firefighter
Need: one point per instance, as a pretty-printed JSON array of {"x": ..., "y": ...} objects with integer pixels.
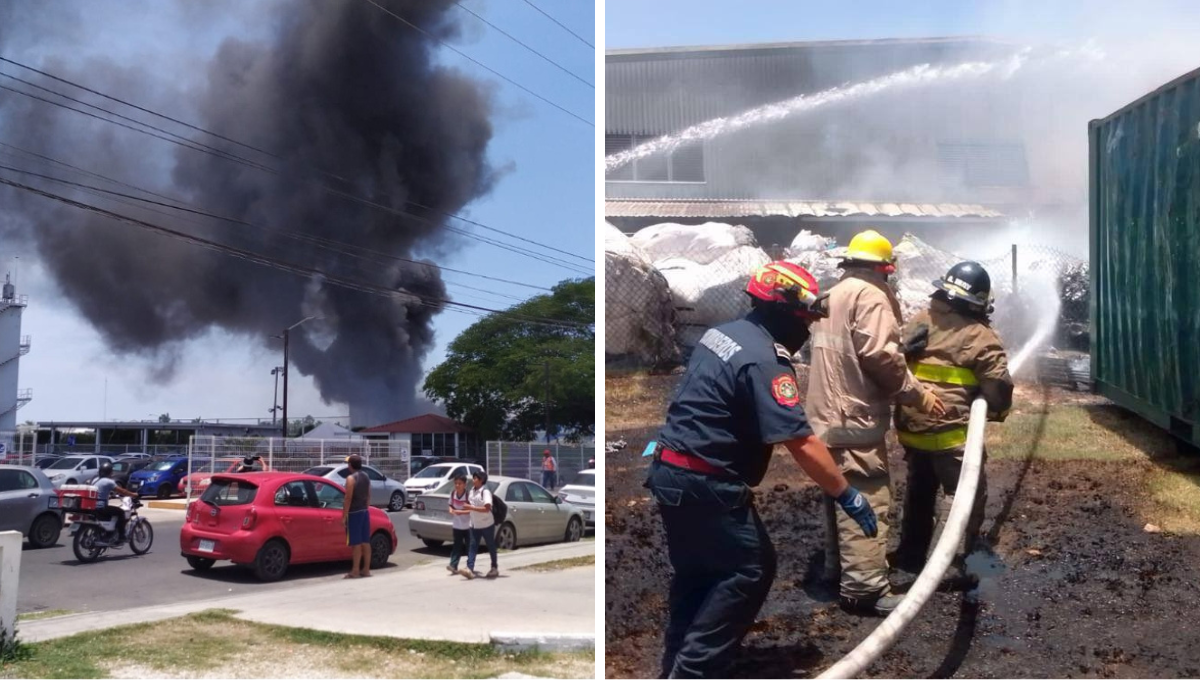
[
  {"x": 858, "y": 372},
  {"x": 738, "y": 398},
  {"x": 952, "y": 348}
]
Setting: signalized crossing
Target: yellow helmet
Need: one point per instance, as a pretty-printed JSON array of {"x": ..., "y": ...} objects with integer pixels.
[{"x": 870, "y": 246}]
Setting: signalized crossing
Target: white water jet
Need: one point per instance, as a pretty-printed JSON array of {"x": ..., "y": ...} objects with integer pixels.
[
  {"x": 1046, "y": 304},
  {"x": 922, "y": 74}
]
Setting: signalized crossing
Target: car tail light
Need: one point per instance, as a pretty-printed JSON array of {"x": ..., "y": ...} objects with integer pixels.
[
  {"x": 190, "y": 512},
  {"x": 419, "y": 506},
  {"x": 250, "y": 519}
]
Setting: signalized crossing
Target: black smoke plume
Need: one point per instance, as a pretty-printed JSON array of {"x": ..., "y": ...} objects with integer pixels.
[{"x": 349, "y": 98}]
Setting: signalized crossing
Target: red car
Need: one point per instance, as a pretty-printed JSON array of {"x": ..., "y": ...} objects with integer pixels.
[{"x": 270, "y": 520}]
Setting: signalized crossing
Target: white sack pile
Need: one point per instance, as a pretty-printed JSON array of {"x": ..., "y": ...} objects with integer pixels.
[
  {"x": 639, "y": 314},
  {"x": 706, "y": 267}
]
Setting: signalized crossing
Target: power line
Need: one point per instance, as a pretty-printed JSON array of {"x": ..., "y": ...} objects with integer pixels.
[
  {"x": 221, "y": 153},
  {"x": 506, "y": 34},
  {"x": 183, "y": 207},
  {"x": 561, "y": 24},
  {"x": 281, "y": 265},
  {"x": 482, "y": 65}
]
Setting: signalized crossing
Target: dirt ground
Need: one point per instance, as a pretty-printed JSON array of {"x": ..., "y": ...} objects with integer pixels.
[{"x": 1073, "y": 586}]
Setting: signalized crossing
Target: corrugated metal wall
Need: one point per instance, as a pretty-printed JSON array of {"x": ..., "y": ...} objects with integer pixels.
[{"x": 1145, "y": 229}]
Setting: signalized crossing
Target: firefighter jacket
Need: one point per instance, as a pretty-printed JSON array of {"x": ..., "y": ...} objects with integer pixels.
[
  {"x": 961, "y": 359},
  {"x": 858, "y": 370}
]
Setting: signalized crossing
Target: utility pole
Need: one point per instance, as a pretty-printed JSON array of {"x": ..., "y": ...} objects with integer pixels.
[
  {"x": 547, "y": 365},
  {"x": 275, "y": 404},
  {"x": 286, "y": 332}
]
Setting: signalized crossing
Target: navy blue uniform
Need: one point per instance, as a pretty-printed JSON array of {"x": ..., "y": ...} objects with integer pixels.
[{"x": 738, "y": 398}]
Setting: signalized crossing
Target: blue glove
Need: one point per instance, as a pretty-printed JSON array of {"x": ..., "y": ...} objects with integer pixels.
[{"x": 855, "y": 504}]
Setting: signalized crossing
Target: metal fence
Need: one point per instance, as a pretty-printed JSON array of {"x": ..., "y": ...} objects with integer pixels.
[
  {"x": 524, "y": 460},
  {"x": 209, "y": 454},
  {"x": 704, "y": 281}
]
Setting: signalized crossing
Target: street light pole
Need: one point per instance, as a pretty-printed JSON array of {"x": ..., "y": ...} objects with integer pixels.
[
  {"x": 275, "y": 404},
  {"x": 286, "y": 333}
]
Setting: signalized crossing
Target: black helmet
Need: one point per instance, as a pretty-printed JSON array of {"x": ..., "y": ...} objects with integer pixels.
[
  {"x": 968, "y": 283},
  {"x": 106, "y": 469}
]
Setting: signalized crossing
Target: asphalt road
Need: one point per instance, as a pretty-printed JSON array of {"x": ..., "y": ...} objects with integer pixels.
[{"x": 53, "y": 579}]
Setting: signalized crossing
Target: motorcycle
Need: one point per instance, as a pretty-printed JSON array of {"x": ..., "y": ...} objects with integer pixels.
[{"x": 94, "y": 536}]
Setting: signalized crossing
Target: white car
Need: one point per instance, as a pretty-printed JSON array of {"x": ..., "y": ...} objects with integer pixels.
[
  {"x": 534, "y": 516},
  {"x": 385, "y": 492},
  {"x": 436, "y": 475},
  {"x": 75, "y": 469},
  {"x": 581, "y": 493}
]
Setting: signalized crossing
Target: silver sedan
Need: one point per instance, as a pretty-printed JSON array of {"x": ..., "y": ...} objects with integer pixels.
[
  {"x": 29, "y": 504},
  {"x": 534, "y": 516},
  {"x": 385, "y": 491}
]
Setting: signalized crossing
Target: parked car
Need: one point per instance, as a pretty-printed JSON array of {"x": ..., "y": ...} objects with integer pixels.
[
  {"x": 270, "y": 520},
  {"x": 161, "y": 478},
  {"x": 29, "y": 504},
  {"x": 46, "y": 460},
  {"x": 134, "y": 454},
  {"x": 581, "y": 493},
  {"x": 124, "y": 467},
  {"x": 75, "y": 469},
  {"x": 201, "y": 479},
  {"x": 435, "y": 476},
  {"x": 385, "y": 492},
  {"x": 534, "y": 515}
]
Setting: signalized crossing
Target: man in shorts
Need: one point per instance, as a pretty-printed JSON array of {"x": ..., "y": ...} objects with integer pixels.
[{"x": 357, "y": 518}]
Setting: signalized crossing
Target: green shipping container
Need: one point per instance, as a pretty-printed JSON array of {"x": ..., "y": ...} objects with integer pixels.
[{"x": 1145, "y": 256}]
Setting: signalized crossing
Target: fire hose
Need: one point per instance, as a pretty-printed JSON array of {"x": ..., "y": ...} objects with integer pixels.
[{"x": 886, "y": 634}]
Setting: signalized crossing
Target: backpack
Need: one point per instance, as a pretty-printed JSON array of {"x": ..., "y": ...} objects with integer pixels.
[{"x": 499, "y": 509}]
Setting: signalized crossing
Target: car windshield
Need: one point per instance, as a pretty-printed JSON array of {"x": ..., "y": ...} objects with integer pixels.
[
  {"x": 229, "y": 492},
  {"x": 66, "y": 464},
  {"x": 318, "y": 471},
  {"x": 162, "y": 465},
  {"x": 433, "y": 472},
  {"x": 585, "y": 479}
]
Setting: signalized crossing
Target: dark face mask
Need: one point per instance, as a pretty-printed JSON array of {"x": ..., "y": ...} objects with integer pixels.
[{"x": 785, "y": 327}]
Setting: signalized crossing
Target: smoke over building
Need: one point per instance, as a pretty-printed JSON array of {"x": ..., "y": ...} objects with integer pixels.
[{"x": 346, "y": 100}]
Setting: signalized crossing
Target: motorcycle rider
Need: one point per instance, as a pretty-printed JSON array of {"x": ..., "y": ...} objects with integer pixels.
[{"x": 107, "y": 486}]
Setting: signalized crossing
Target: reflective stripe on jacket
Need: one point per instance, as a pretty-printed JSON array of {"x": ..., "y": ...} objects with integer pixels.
[
  {"x": 962, "y": 359},
  {"x": 858, "y": 370}
]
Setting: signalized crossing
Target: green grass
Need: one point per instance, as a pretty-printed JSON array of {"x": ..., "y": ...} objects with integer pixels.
[
  {"x": 1175, "y": 493},
  {"x": 44, "y": 614},
  {"x": 1074, "y": 432},
  {"x": 555, "y": 565},
  {"x": 216, "y": 639}
]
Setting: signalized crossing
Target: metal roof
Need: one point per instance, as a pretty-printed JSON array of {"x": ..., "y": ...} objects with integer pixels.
[
  {"x": 815, "y": 209},
  {"x": 684, "y": 51}
]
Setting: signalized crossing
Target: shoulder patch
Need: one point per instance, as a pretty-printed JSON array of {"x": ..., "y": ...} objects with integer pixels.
[
  {"x": 785, "y": 390},
  {"x": 722, "y": 345}
]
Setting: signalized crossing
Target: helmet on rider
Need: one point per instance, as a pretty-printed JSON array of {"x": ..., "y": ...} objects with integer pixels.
[{"x": 106, "y": 470}]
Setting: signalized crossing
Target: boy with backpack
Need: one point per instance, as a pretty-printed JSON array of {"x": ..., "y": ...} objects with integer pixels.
[
  {"x": 483, "y": 524},
  {"x": 461, "y": 521}
]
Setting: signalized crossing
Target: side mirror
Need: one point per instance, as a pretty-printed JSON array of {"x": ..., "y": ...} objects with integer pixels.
[{"x": 557, "y": 500}]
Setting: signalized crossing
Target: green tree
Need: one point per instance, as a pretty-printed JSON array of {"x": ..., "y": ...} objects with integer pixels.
[
  {"x": 164, "y": 418},
  {"x": 494, "y": 377}
]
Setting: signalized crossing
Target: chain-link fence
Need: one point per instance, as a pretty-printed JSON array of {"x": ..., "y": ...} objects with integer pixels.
[
  {"x": 210, "y": 454},
  {"x": 524, "y": 460},
  {"x": 667, "y": 284}
]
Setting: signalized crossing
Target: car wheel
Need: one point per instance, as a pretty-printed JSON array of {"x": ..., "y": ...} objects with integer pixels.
[
  {"x": 432, "y": 543},
  {"x": 506, "y": 537},
  {"x": 200, "y": 563},
  {"x": 381, "y": 549},
  {"x": 45, "y": 530},
  {"x": 397, "y": 503},
  {"x": 164, "y": 492},
  {"x": 271, "y": 563},
  {"x": 574, "y": 530}
]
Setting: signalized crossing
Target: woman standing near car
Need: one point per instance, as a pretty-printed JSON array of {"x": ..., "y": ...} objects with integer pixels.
[
  {"x": 461, "y": 521},
  {"x": 483, "y": 525}
]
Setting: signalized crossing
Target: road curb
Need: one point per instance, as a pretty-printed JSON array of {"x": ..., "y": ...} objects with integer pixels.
[
  {"x": 176, "y": 504},
  {"x": 543, "y": 642}
]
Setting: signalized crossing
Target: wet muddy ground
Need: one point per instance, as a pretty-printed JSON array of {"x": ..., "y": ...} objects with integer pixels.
[{"x": 1073, "y": 587}]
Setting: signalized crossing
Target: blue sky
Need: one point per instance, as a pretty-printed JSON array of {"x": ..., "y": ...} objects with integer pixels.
[
  {"x": 547, "y": 195},
  {"x": 639, "y": 23}
]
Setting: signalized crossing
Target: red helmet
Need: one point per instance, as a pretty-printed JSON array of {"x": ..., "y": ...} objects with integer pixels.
[{"x": 787, "y": 284}]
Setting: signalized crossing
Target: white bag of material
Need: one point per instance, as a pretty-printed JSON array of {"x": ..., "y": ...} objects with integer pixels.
[
  {"x": 806, "y": 241},
  {"x": 639, "y": 313},
  {"x": 702, "y": 243},
  {"x": 710, "y": 294}
]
